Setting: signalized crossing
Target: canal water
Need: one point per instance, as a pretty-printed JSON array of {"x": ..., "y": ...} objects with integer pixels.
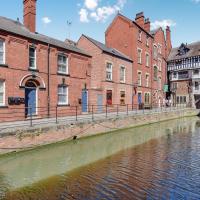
[{"x": 157, "y": 161}]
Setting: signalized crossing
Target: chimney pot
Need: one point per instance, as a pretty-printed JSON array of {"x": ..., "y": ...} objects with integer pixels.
[{"x": 140, "y": 19}]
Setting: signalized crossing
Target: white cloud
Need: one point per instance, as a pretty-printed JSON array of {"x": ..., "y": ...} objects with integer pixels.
[
  {"x": 164, "y": 23},
  {"x": 91, "y": 4},
  {"x": 92, "y": 10},
  {"x": 46, "y": 20},
  {"x": 83, "y": 15}
]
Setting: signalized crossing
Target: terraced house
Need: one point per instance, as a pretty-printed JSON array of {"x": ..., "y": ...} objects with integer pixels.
[
  {"x": 149, "y": 49},
  {"x": 111, "y": 74},
  {"x": 39, "y": 72}
]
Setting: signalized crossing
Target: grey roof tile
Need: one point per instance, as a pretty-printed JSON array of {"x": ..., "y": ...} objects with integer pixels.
[
  {"x": 112, "y": 51},
  {"x": 18, "y": 28},
  {"x": 194, "y": 50}
]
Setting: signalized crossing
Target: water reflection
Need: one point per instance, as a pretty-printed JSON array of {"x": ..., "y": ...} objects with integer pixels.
[{"x": 164, "y": 168}]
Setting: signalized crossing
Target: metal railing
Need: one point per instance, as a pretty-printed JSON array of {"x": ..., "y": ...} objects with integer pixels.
[{"x": 73, "y": 114}]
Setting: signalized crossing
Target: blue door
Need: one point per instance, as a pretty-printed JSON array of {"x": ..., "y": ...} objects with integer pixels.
[
  {"x": 100, "y": 103},
  {"x": 84, "y": 101},
  {"x": 139, "y": 98},
  {"x": 30, "y": 101}
]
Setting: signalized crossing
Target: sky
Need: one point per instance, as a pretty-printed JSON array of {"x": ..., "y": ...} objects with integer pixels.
[{"x": 63, "y": 19}]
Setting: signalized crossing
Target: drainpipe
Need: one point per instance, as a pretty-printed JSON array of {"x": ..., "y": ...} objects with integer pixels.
[{"x": 48, "y": 80}]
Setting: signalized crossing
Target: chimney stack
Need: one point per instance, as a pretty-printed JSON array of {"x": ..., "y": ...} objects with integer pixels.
[
  {"x": 147, "y": 25},
  {"x": 140, "y": 19},
  {"x": 168, "y": 40},
  {"x": 30, "y": 14}
]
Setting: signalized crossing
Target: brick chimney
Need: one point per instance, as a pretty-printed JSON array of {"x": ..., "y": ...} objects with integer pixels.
[
  {"x": 147, "y": 25},
  {"x": 140, "y": 19},
  {"x": 30, "y": 14},
  {"x": 168, "y": 40}
]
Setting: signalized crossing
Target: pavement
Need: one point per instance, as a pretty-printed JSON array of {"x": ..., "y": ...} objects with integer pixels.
[{"x": 13, "y": 127}]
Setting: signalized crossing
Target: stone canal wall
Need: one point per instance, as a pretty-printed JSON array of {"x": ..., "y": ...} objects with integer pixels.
[{"x": 35, "y": 137}]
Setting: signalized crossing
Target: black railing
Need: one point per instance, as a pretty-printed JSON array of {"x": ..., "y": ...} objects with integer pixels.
[{"x": 59, "y": 114}]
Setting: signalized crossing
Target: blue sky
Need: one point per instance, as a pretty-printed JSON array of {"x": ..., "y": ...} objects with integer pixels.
[{"x": 92, "y": 17}]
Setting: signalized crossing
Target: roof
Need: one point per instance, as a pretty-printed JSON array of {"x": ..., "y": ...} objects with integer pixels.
[
  {"x": 105, "y": 49},
  {"x": 193, "y": 49},
  {"x": 130, "y": 21},
  {"x": 18, "y": 28}
]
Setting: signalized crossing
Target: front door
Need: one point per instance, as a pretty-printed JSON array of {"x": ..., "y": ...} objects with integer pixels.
[
  {"x": 139, "y": 98},
  {"x": 30, "y": 101},
  {"x": 84, "y": 101},
  {"x": 100, "y": 103}
]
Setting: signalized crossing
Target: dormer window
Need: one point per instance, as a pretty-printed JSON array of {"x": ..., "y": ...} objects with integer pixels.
[{"x": 183, "y": 49}]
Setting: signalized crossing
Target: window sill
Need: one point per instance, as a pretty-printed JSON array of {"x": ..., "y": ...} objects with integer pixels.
[
  {"x": 3, "y": 106},
  {"x": 4, "y": 65},
  {"x": 110, "y": 81},
  {"x": 63, "y": 105},
  {"x": 122, "y": 82},
  {"x": 62, "y": 74},
  {"x": 33, "y": 70},
  {"x": 139, "y": 40}
]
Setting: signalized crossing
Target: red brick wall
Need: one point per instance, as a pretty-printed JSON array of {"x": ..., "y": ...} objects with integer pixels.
[
  {"x": 99, "y": 85},
  {"x": 17, "y": 59}
]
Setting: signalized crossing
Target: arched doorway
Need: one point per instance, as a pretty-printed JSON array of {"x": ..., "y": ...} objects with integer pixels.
[{"x": 30, "y": 98}]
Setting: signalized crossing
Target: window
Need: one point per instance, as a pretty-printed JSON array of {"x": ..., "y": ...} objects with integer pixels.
[
  {"x": 159, "y": 83},
  {"x": 175, "y": 75},
  {"x": 155, "y": 73},
  {"x": 2, "y": 93},
  {"x": 155, "y": 51},
  {"x": 122, "y": 74},
  {"x": 32, "y": 57},
  {"x": 160, "y": 64},
  {"x": 109, "y": 71},
  {"x": 147, "y": 41},
  {"x": 196, "y": 72},
  {"x": 2, "y": 52},
  {"x": 122, "y": 97},
  {"x": 62, "y": 95},
  {"x": 139, "y": 56},
  {"x": 177, "y": 100},
  {"x": 140, "y": 35},
  {"x": 147, "y": 59},
  {"x": 109, "y": 97},
  {"x": 196, "y": 85},
  {"x": 147, "y": 80},
  {"x": 159, "y": 49},
  {"x": 62, "y": 64},
  {"x": 139, "y": 78},
  {"x": 147, "y": 98}
]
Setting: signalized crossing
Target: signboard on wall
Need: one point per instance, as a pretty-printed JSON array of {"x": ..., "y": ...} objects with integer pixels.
[{"x": 166, "y": 88}]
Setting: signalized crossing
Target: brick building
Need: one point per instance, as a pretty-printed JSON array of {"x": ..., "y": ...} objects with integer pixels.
[
  {"x": 148, "y": 49},
  {"x": 39, "y": 72},
  {"x": 184, "y": 74},
  {"x": 111, "y": 74}
]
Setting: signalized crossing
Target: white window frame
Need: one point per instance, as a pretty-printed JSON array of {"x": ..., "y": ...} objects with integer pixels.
[
  {"x": 147, "y": 41},
  {"x": 110, "y": 71},
  {"x": 66, "y": 65},
  {"x": 4, "y": 91},
  {"x": 67, "y": 95},
  {"x": 159, "y": 64},
  {"x": 140, "y": 35},
  {"x": 35, "y": 63},
  {"x": 124, "y": 74},
  {"x": 147, "y": 60},
  {"x": 147, "y": 82},
  {"x": 139, "y": 56},
  {"x": 139, "y": 83},
  {"x": 159, "y": 48},
  {"x": 4, "y": 52},
  {"x": 149, "y": 94},
  {"x": 155, "y": 53}
]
